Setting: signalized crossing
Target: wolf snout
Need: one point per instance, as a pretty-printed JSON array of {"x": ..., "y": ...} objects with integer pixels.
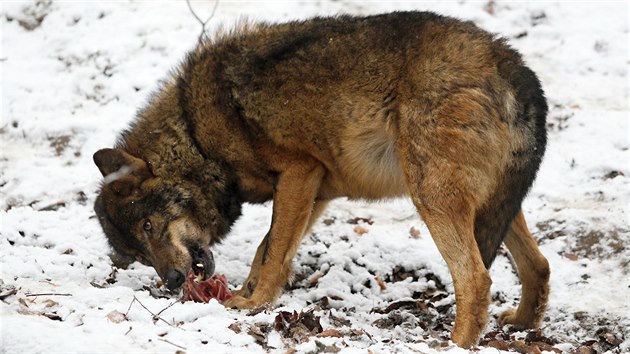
[{"x": 174, "y": 279}]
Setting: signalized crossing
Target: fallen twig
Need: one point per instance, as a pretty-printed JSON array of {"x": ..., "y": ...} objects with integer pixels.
[
  {"x": 155, "y": 317},
  {"x": 54, "y": 206},
  {"x": 171, "y": 343},
  {"x": 129, "y": 308},
  {"x": 47, "y": 294},
  {"x": 166, "y": 308}
]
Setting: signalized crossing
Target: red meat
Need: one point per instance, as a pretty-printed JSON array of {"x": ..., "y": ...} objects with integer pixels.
[{"x": 214, "y": 287}]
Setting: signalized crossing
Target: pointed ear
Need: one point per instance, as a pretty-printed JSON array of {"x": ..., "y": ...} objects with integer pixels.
[
  {"x": 112, "y": 160},
  {"x": 122, "y": 171}
]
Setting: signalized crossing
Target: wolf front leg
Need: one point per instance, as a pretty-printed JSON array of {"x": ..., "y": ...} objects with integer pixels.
[
  {"x": 252, "y": 279},
  {"x": 293, "y": 206}
]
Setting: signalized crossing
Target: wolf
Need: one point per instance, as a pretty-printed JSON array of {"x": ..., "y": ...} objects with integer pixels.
[{"x": 399, "y": 104}]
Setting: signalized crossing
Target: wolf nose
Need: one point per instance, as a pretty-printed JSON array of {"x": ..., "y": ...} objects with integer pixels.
[{"x": 174, "y": 279}]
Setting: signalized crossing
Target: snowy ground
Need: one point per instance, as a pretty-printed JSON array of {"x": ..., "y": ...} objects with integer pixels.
[{"x": 73, "y": 74}]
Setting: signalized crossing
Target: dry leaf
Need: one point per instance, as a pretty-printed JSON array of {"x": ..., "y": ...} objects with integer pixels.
[
  {"x": 259, "y": 309},
  {"x": 357, "y": 332},
  {"x": 260, "y": 332},
  {"x": 584, "y": 350},
  {"x": 611, "y": 339},
  {"x": 571, "y": 256},
  {"x": 535, "y": 342},
  {"x": 52, "y": 316},
  {"x": 50, "y": 303},
  {"x": 7, "y": 290},
  {"x": 23, "y": 302},
  {"x": 235, "y": 327},
  {"x": 297, "y": 326},
  {"x": 408, "y": 304},
  {"x": 313, "y": 279},
  {"x": 489, "y": 7},
  {"x": 116, "y": 316},
  {"x": 415, "y": 233},
  {"x": 356, "y": 220},
  {"x": 360, "y": 230},
  {"x": 380, "y": 283},
  {"x": 498, "y": 344},
  {"x": 329, "y": 221},
  {"x": 338, "y": 321},
  {"x": 323, "y": 348},
  {"x": 522, "y": 347},
  {"x": 331, "y": 333}
]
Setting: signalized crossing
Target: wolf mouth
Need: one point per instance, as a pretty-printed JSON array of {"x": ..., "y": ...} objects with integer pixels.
[{"x": 202, "y": 262}]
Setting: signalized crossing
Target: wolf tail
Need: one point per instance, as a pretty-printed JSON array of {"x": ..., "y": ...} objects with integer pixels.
[{"x": 494, "y": 218}]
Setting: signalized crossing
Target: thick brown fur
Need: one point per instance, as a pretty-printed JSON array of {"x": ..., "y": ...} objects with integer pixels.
[{"x": 407, "y": 103}]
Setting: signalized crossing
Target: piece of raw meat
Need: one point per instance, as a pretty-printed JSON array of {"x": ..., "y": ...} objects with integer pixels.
[{"x": 197, "y": 290}]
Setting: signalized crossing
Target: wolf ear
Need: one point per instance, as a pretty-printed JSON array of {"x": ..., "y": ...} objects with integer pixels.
[{"x": 111, "y": 161}]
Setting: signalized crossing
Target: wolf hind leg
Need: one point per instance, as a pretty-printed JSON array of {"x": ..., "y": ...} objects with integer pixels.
[
  {"x": 445, "y": 198},
  {"x": 533, "y": 271},
  {"x": 452, "y": 232},
  {"x": 456, "y": 154}
]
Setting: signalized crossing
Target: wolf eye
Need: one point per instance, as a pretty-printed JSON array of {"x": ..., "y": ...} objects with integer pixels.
[{"x": 147, "y": 226}]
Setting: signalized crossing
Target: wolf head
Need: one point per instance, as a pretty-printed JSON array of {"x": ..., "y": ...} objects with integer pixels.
[{"x": 168, "y": 222}]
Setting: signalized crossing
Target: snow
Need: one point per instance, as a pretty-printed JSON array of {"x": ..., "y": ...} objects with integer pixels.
[{"x": 73, "y": 82}]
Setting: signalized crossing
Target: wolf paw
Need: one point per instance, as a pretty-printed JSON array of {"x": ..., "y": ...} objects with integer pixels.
[
  {"x": 507, "y": 317},
  {"x": 247, "y": 289},
  {"x": 242, "y": 292},
  {"x": 240, "y": 302},
  {"x": 510, "y": 317},
  {"x": 465, "y": 338}
]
